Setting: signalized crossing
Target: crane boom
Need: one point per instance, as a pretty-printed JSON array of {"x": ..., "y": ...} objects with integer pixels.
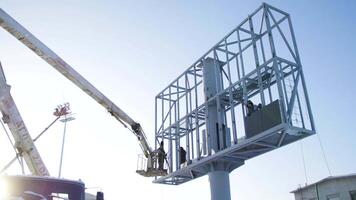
[
  {"x": 23, "y": 141},
  {"x": 24, "y": 36}
]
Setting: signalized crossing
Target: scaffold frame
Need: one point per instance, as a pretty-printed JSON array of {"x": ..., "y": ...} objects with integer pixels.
[{"x": 258, "y": 61}]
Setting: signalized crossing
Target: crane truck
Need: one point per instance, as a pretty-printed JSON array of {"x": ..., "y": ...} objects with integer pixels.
[{"x": 11, "y": 116}]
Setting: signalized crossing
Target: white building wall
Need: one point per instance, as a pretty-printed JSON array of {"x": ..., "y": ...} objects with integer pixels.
[
  {"x": 338, "y": 188},
  {"x": 307, "y": 194}
]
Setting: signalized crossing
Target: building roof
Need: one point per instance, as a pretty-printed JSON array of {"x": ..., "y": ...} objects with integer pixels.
[{"x": 324, "y": 180}]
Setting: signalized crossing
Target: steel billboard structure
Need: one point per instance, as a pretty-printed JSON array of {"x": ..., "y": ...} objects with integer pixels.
[{"x": 204, "y": 109}]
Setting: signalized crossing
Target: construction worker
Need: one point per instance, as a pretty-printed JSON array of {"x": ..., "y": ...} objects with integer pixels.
[
  {"x": 161, "y": 156},
  {"x": 252, "y": 107},
  {"x": 182, "y": 155}
]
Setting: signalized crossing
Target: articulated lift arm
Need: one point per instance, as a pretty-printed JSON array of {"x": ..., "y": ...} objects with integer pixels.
[{"x": 24, "y": 36}]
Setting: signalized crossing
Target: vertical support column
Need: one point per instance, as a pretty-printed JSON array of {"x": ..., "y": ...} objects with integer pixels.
[
  {"x": 244, "y": 92},
  {"x": 177, "y": 114},
  {"x": 187, "y": 119},
  {"x": 255, "y": 53},
  {"x": 232, "y": 110},
  {"x": 170, "y": 143},
  {"x": 212, "y": 86},
  {"x": 219, "y": 108},
  {"x": 219, "y": 185},
  {"x": 191, "y": 125},
  {"x": 215, "y": 122},
  {"x": 176, "y": 136},
  {"x": 156, "y": 133},
  {"x": 63, "y": 141},
  {"x": 197, "y": 136}
]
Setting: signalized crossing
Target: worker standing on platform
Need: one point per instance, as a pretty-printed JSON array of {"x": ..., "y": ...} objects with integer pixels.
[
  {"x": 251, "y": 107},
  {"x": 182, "y": 154},
  {"x": 161, "y": 156}
]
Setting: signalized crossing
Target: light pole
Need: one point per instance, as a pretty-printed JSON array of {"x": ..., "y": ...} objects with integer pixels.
[{"x": 65, "y": 112}]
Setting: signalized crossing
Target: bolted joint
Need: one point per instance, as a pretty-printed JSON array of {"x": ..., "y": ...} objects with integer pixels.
[{"x": 19, "y": 147}]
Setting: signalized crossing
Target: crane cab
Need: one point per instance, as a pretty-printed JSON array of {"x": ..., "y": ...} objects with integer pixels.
[
  {"x": 44, "y": 188},
  {"x": 48, "y": 188}
]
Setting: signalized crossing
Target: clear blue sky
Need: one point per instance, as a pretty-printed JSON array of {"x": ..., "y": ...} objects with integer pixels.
[{"x": 132, "y": 49}]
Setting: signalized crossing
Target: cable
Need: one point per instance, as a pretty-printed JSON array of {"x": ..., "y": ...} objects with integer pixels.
[
  {"x": 17, "y": 154},
  {"x": 8, "y": 165},
  {"x": 305, "y": 168},
  {"x": 324, "y": 155}
]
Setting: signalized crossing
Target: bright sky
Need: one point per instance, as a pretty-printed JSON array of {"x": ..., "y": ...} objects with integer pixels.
[{"x": 131, "y": 50}]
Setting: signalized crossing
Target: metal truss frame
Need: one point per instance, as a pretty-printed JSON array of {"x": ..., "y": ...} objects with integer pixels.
[{"x": 258, "y": 61}]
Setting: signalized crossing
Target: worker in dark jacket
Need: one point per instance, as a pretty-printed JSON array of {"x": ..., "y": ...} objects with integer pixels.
[
  {"x": 252, "y": 107},
  {"x": 182, "y": 155},
  {"x": 161, "y": 156}
]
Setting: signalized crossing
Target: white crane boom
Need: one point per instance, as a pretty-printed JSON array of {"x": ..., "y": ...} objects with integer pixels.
[
  {"x": 24, "y": 36},
  {"x": 23, "y": 141}
]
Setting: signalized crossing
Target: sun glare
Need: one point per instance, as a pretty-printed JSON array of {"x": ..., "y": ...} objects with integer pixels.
[{"x": 3, "y": 189}]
